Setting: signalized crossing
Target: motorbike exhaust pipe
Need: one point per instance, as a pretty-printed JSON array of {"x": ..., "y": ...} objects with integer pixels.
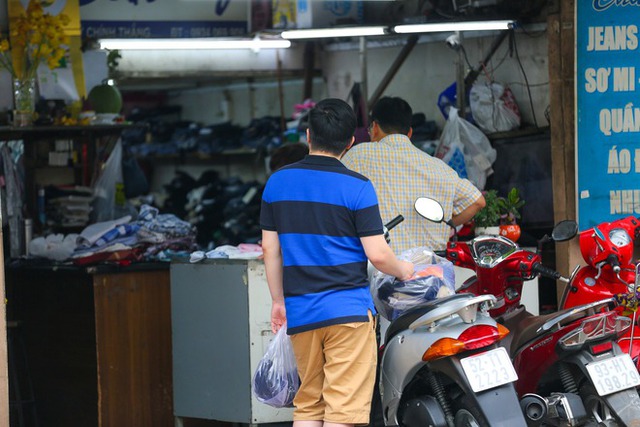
[
  {"x": 559, "y": 409},
  {"x": 535, "y": 408}
]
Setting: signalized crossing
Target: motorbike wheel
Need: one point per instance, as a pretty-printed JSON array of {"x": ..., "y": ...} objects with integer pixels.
[{"x": 468, "y": 415}]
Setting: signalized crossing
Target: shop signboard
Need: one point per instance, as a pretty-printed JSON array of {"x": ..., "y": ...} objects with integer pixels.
[
  {"x": 608, "y": 110},
  {"x": 164, "y": 18}
]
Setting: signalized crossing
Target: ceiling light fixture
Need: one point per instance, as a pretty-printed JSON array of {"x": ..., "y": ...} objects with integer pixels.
[
  {"x": 454, "y": 26},
  {"x": 192, "y": 44},
  {"x": 317, "y": 33}
]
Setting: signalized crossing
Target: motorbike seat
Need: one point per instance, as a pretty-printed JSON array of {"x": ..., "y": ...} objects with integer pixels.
[
  {"x": 524, "y": 327},
  {"x": 402, "y": 323}
]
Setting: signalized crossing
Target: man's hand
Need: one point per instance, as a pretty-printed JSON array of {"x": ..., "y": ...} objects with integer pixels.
[
  {"x": 406, "y": 269},
  {"x": 278, "y": 316}
]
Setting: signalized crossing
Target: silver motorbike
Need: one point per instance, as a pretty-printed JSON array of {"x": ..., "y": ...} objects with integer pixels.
[{"x": 441, "y": 366}]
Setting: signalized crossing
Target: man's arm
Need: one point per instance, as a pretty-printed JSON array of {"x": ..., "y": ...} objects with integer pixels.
[
  {"x": 469, "y": 212},
  {"x": 273, "y": 266},
  {"x": 382, "y": 257}
]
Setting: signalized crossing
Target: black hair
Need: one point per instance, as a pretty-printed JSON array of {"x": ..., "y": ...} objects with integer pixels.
[
  {"x": 332, "y": 123},
  {"x": 393, "y": 115},
  {"x": 287, "y": 154}
]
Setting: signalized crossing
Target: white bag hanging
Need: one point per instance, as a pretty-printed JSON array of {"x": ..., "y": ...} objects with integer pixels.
[
  {"x": 479, "y": 155},
  {"x": 108, "y": 190},
  {"x": 493, "y": 107}
]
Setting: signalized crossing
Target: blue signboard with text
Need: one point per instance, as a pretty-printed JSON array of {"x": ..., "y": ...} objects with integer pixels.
[
  {"x": 608, "y": 110},
  {"x": 164, "y": 18}
]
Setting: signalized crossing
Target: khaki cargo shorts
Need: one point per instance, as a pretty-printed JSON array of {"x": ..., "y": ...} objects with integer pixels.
[{"x": 337, "y": 368}]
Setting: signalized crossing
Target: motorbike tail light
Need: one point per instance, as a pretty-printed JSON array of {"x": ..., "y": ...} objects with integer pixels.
[
  {"x": 475, "y": 337},
  {"x": 602, "y": 347},
  {"x": 595, "y": 328},
  {"x": 442, "y": 348}
]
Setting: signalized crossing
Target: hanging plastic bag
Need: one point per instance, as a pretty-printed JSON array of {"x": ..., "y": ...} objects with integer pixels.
[
  {"x": 433, "y": 278},
  {"x": 494, "y": 107},
  {"x": 455, "y": 159},
  {"x": 108, "y": 190},
  {"x": 133, "y": 177},
  {"x": 479, "y": 155},
  {"x": 276, "y": 380}
]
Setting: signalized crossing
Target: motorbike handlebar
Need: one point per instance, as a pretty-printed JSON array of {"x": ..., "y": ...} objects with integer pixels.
[
  {"x": 546, "y": 271},
  {"x": 395, "y": 221},
  {"x": 614, "y": 262}
]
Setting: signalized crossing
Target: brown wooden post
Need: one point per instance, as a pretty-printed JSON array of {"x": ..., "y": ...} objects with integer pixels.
[
  {"x": 4, "y": 376},
  {"x": 561, "y": 35}
]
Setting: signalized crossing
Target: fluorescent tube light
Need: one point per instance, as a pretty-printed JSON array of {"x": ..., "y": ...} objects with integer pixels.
[
  {"x": 317, "y": 33},
  {"x": 192, "y": 43},
  {"x": 454, "y": 26}
]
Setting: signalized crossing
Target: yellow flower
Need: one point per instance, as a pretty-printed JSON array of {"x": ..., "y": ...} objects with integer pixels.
[{"x": 35, "y": 37}]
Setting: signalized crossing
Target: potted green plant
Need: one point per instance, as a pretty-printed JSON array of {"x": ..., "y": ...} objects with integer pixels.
[
  {"x": 510, "y": 207},
  {"x": 500, "y": 214},
  {"x": 487, "y": 220},
  {"x": 510, "y": 214}
]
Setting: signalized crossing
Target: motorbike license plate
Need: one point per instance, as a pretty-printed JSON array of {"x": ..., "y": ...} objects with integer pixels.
[
  {"x": 613, "y": 374},
  {"x": 490, "y": 369}
]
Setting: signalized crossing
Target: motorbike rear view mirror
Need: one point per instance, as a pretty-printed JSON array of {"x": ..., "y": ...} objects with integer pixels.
[
  {"x": 429, "y": 209},
  {"x": 432, "y": 210},
  {"x": 564, "y": 230}
]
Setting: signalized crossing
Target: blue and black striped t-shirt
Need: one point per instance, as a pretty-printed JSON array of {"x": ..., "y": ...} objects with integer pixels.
[{"x": 320, "y": 210}]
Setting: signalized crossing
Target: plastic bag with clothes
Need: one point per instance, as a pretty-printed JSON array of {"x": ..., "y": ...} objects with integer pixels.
[
  {"x": 494, "y": 107},
  {"x": 276, "y": 380},
  {"x": 479, "y": 155},
  {"x": 433, "y": 278}
]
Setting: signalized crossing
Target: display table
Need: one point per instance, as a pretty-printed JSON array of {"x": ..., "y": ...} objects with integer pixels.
[
  {"x": 98, "y": 342},
  {"x": 221, "y": 322}
]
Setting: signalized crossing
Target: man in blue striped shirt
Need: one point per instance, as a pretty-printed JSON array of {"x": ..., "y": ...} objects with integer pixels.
[{"x": 321, "y": 222}]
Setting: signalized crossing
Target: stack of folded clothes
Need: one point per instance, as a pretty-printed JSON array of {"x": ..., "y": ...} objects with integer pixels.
[{"x": 68, "y": 206}]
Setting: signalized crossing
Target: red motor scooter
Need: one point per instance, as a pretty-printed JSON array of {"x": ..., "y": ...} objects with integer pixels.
[
  {"x": 607, "y": 248},
  {"x": 573, "y": 351}
]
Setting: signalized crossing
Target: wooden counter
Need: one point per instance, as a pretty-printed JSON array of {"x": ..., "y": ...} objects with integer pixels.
[{"x": 98, "y": 342}]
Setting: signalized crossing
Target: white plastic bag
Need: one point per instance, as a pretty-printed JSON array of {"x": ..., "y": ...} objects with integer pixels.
[
  {"x": 479, "y": 155},
  {"x": 434, "y": 277},
  {"x": 493, "y": 107},
  {"x": 108, "y": 190},
  {"x": 276, "y": 381}
]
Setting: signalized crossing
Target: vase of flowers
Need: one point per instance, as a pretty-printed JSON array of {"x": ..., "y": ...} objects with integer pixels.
[
  {"x": 36, "y": 37},
  {"x": 24, "y": 100}
]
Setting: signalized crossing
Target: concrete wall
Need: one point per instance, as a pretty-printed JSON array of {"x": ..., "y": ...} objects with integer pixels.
[
  {"x": 431, "y": 68},
  {"x": 242, "y": 102}
]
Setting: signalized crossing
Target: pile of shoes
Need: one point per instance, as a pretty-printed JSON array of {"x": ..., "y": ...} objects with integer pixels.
[{"x": 225, "y": 211}]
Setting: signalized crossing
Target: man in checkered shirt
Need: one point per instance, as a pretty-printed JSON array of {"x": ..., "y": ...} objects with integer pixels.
[{"x": 401, "y": 173}]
